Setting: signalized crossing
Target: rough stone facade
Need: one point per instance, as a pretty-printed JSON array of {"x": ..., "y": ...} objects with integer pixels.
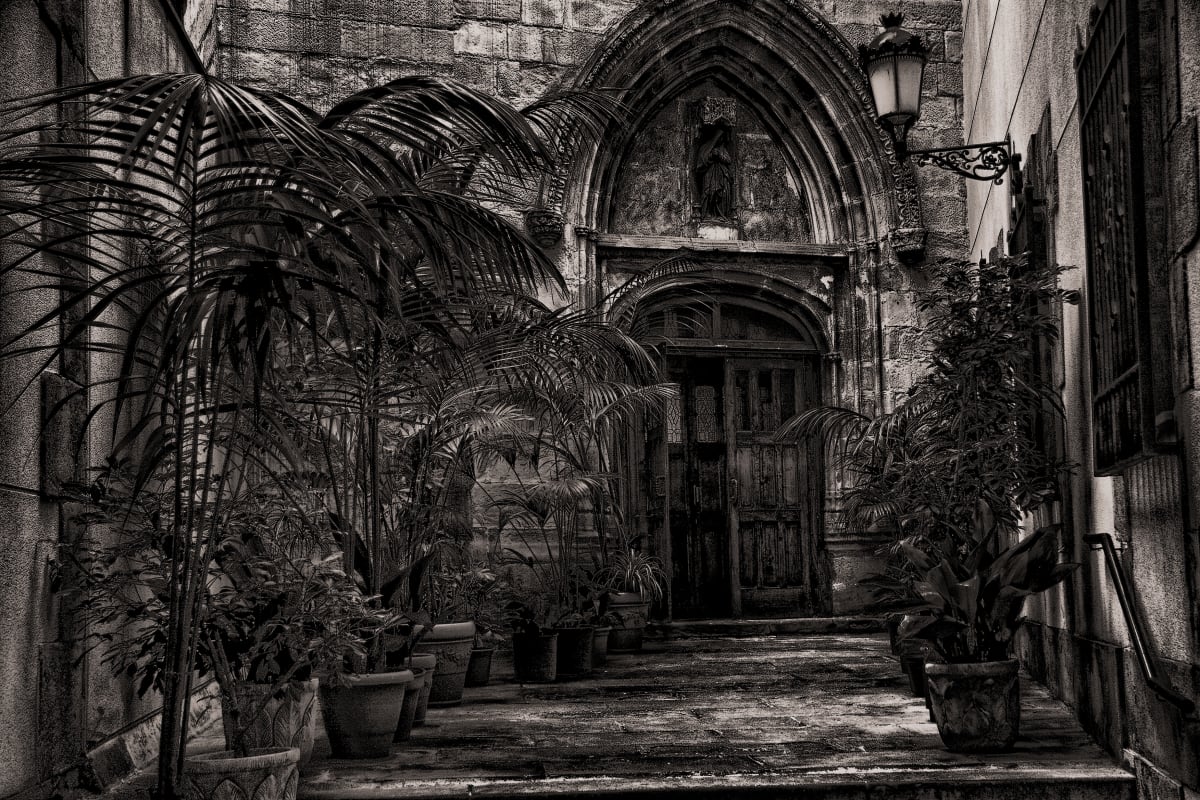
[
  {"x": 823, "y": 223},
  {"x": 1021, "y": 83},
  {"x": 818, "y": 214},
  {"x": 55, "y": 709}
]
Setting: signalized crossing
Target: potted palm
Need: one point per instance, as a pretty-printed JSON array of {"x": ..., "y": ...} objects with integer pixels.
[
  {"x": 197, "y": 232},
  {"x": 953, "y": 472}
]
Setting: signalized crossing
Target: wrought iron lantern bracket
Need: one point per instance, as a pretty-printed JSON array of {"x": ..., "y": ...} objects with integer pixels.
[{"x": 988, "y": 161}]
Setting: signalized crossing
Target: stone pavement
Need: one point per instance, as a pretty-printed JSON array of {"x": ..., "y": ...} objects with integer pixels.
[{"x": 791, "y": 716}]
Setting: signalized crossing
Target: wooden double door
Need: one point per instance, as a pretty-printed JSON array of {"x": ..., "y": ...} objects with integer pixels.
[{"x": 744, "y": 511}]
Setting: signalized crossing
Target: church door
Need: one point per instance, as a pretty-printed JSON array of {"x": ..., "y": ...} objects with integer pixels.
[
  {"x": 745, "y": 511},
  {"x": 775, "y": 490}
]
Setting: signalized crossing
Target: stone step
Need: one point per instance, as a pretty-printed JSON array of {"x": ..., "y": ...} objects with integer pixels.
[
  {"x": 823, "y": 717},
  {"x": 899, "y": 785},
  {"x": 791, "y": 626}
]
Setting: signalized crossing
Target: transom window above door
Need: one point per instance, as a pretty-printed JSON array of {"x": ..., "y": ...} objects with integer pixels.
[{"x": 726, "y": 323}]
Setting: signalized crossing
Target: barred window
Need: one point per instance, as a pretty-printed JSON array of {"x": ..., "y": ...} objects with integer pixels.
[{"x": 1119, "y": 148}]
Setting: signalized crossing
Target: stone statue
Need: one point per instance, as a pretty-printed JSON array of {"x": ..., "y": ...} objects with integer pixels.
[{"x": 714, "y": 175}]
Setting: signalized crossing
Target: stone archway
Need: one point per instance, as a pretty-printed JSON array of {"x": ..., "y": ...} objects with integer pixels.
[
  {"x": 738, "y": 516},
  {"x": 668, "y": 204}
]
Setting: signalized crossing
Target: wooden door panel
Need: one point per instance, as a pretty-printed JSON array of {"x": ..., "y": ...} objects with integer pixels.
[{"x": 783, "y": 565}]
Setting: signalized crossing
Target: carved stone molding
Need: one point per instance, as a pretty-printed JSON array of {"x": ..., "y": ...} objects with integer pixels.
[
  {"x": 638, "y": 39},
  {"x": 908, "y": 243},
  {"x": 545, "y": 225}
]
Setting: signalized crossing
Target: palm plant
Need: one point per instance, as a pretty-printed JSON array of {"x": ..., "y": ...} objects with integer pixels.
[
  {"x": 195, "y": 236},
  {"x": 956, "y": 467}
]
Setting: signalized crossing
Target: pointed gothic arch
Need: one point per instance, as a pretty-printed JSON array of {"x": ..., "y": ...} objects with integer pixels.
[{"x": 798, "y": 74}]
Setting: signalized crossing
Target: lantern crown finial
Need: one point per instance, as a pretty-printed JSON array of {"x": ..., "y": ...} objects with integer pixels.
[{"x": 892, "y": 19}]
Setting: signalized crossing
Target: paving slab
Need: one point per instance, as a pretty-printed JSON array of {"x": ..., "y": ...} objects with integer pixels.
[{"x": 769, "y": 716}]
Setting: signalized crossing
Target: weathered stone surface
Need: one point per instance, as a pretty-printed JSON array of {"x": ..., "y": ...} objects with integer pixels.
[
  {"x": 595, "y": 15},
  {"x": 568, "y": 47},
  {"x": 482, "y": 39},
  {"x": 505, "y": 10},
  {"x": 549, "y": 13}
]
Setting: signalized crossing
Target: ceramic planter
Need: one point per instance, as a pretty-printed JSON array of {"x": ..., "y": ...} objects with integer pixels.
[
  {"x": 271, "y": 772},
  {"x": 408, "y": 711},
  {"x": 630, "y": 611},
  {"x": 977, "y": 707},
  {"x": 535, "y": 657},
  {"x": 289, "y": 720},
  {"x": 574, "y": 659},
  {"x": 914, "y": 668},
  {"x": 428, "y": 663},
  {"x": 479, "y": 668},
  {"x": 361, "y": 715},
  {"x": 451, "y": 642},
  {"x": 600, "y": 646}
]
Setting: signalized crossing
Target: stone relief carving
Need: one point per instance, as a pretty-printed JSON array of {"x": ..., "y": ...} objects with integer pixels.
[
  {"x": 833, "y": 49},
  {"x": 714, "y": 172}
]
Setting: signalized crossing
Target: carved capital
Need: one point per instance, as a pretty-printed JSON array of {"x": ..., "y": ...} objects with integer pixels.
[
  {"x": 908, "y": 244},
  {"x": 544, "y": 225}
]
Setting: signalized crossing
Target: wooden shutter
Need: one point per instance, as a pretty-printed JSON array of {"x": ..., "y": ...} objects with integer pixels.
[{"x": 1119, "y": 302}]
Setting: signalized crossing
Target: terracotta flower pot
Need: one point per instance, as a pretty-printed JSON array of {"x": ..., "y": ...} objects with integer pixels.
[
  {"x": 479, "y": 668},
  {"x": 631, "y": 612},
  {"x": 600, "y": 646},
  {"x": 289, "y": 720},
  {"x": 451, "y": 642},
  {"x": 408, "y": 711},
  {"x": 977, "y": 707},
  {"x": 361, "y": 716},
  {"x": 428, "y": 663},
  {"x": 271, "y": 772},
  {"x": 535, "y": 657},
  {"x": 574, "y": 658}
]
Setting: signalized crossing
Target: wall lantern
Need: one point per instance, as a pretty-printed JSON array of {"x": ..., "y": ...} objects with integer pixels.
[{"x": 895, "y": 64}]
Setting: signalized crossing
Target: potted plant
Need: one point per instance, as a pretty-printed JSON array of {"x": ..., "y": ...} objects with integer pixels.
[
  {"x": 482, "y": 589},
  {"x": 277, "y": 610},
  {"x": 534, "y": 643},
  {"x": 973, "y": 608},
  {"x": 953, "y": 472},
  {"x": 635, "y": 580}
]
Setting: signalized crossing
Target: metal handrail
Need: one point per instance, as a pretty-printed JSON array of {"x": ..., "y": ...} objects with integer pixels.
[{"x": 1137, "y": 635}]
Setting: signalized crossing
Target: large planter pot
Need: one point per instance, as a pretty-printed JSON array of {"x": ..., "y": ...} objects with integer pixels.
[
  {"x": 428, "y": 663},
  {"x": 451, "y": 642},
  {"x": 535, "y": 657},
  {"x": 977, "y": 707},
  {"x": 288, "y": 720},
  {"x": 892, "y": 623},
  {"x": 600, "y": 646},
  {"x": 914, "y": 668},
  {"x": 630, "y": 612},
  {"x": 574, "y": 658},
  {"x": 361, "y": 715},
  {"x": 479, "y": 668},
  {"x": 265, "y": 774},
  {"x": 408, "y": 711}
]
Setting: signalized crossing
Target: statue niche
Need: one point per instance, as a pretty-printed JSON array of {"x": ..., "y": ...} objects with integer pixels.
[{"x": 713, "y": 172}]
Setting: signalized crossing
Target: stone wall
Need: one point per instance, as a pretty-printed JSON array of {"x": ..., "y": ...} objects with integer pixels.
[
  {"x": 55, "y": 709},
  {"x": 801, "y": 175},
  {"x": 1020, "y": 81}
]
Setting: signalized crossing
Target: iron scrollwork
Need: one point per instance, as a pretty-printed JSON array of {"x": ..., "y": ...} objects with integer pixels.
[{"x": 981, "y": 162}]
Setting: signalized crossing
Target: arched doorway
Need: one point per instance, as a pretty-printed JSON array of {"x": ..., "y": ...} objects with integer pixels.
[
  {"x": 739, "y": 514},
  {"x": 748, "y": 196}
]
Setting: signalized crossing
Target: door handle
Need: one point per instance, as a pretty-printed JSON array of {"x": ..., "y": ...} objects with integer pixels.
[{"x": 733, "y": 491}]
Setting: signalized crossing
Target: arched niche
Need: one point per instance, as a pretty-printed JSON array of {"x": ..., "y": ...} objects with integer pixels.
[{"x": 798, "y": 78}]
